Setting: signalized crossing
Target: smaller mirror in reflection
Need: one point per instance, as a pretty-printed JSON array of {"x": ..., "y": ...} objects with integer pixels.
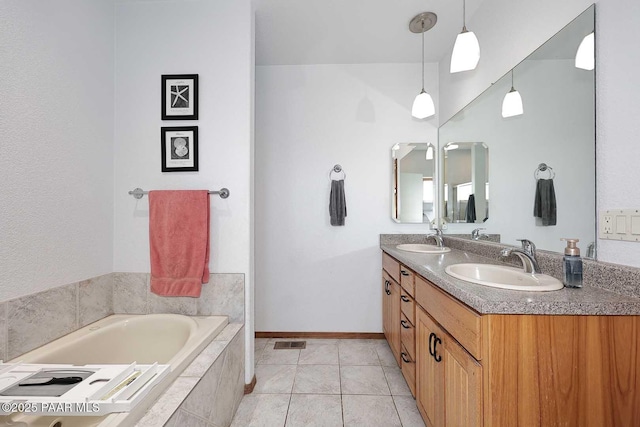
[
  {"x": 465, "y": 195},
  {"x": 413, "y": 195}
]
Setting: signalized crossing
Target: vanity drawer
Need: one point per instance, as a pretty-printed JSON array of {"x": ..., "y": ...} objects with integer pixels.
[
  {"x": 408, "y": 336},
  {"x": 460, "y": 321},
  {"x": 391, "y": 266},
  {"x": 407, "y": 306},
  {"x": 407, "y": 280},
  {"x": 408, "y": 369}
]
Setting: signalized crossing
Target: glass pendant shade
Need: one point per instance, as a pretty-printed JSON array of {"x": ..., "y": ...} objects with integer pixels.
[
  {"x": 585, "y": 57},
  {"x": 512, "y": 104},
  {"x": 466, "y": 52},
  {"x": 429, "y": 154},
  {"x": 423, "y": 106}
]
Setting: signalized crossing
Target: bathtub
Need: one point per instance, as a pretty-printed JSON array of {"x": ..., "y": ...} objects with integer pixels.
[{"x": 169, "y": 339}]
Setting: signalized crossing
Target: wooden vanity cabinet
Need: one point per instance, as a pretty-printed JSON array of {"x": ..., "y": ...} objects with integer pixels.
[{"x": 512, "y": 370}]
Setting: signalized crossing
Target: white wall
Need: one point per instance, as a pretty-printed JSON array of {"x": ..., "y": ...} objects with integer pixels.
[
  {"x": 56, "y": 170},
  {"x": 212, "y": 39},
  {"x": 555, "y": 93},
  {"x": 311, "y": 276},
  {"x": 507, "y": 40}
]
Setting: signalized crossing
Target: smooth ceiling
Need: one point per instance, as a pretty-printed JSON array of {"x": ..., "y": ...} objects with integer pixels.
[{"x": 297, "y": 32}]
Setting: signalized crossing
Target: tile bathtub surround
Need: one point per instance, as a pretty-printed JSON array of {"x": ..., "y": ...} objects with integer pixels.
[
  {"x": 223, "y": 296},
  {"x": 336, "y": 391},
  {"x": 33, "y": 320},
  {"x": 209, "y": 390},
  {"x": 621, "y": 279}
]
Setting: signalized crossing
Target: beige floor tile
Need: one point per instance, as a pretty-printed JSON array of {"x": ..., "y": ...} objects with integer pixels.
[
  {"x": 386, "y": 356},
  {"x": 274, "y": 378},
  {"x": 260, "y": 343},
  {"x": 313, "y": 410},
  {"x": 358, "y": 354},
  {"x": 397, "y": 383},
  {"x": 317, "y": 379},
  {"x": 279, "y": 357},
  {"x": 408, "y": 411},
  {"x": 363, "y": 380},
  {"x": 369, "y": 411},
  {"x": 262, "y": 410},
  {"x": 319, "y": 354}
]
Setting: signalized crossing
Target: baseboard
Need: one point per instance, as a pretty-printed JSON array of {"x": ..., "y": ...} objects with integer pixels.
[
  {"x": 248, "y": 388},
  {"x": 326, "y": 335}
]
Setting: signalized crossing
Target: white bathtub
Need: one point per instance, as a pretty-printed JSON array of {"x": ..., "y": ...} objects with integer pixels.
[{"x": 122, "y": 339}]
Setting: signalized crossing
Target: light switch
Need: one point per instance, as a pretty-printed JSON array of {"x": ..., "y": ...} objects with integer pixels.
[
  {"x": 635, "y": 225},
  {"x": 621, "y": 224}
]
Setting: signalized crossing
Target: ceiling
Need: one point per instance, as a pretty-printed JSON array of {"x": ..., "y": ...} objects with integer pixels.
[{"x": 296, "y": 32}]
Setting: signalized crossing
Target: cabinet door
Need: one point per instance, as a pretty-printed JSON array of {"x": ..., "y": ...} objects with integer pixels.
[
  {"x": 394, "y": 320},
  {"x": 429, "y": 372},
  {"x": 386, "y": 305},
  {"x": 463, "y": 386}
]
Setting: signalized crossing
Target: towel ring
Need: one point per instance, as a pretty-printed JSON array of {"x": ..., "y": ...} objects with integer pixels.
[
  {"x": 338, "y": 169},
  {"x": 542, "y": 167}
]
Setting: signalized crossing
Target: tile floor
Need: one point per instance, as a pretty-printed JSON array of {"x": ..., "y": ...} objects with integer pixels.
[{"x": 350, "y": 383}]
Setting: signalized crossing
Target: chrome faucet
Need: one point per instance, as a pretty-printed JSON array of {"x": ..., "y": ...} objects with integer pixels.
[
  {"x": 438, "y": 231},
  {"x": 477, "y": 235},
  {"x": 436, "y": 238},
  {"x": 527, "y": 255}
]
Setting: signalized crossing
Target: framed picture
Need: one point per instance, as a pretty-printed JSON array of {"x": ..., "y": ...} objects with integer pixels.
[
  {"x": 180, "y": 97},
  {"x": 180, "y": 149}
]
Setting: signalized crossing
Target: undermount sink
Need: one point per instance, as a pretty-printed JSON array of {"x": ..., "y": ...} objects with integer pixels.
[
  {"x": 503, "y": 277},
  {"x": 423, "y": 248}
]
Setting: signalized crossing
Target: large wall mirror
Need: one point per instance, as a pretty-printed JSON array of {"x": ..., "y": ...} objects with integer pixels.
[
  {"x": 413, "y": 186},
  {"x": 542, "y": 162}
]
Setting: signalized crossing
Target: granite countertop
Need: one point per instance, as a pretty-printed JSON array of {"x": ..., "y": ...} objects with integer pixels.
[{"x": 486, "y": 300}]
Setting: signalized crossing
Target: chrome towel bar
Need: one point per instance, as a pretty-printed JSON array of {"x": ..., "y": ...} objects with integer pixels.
[{"x": 139, "y": 192}]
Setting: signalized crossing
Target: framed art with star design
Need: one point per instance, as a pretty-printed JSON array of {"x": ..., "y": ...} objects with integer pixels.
[{"x": 180, "y": 97}]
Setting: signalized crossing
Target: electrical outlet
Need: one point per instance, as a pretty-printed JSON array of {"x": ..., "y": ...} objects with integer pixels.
[{"x": 606, "y": 225}]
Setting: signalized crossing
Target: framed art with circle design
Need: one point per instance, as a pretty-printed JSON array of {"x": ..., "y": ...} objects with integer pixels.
[
  {"x": 180, "y": 149},
  {"x": 180, "y": 97}
]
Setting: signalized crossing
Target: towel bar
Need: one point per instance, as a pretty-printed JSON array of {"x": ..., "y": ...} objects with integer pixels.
[{"x": 139, "y": 192}]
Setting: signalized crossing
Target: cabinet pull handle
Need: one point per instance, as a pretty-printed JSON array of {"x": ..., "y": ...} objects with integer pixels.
[
  {"x": 405, "y": 324},
  {"x": 386, "y": 287},
  {"x": 404, "y": 298},
  {"x": 402, "y": 356},
  {"x": 431, "y": 337},
  {"x": 404, "y": 273},
  {"x": 436, "y": 356}
]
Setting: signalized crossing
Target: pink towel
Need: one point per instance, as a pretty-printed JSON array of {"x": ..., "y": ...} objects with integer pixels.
[{"x": 179, "y": 242}]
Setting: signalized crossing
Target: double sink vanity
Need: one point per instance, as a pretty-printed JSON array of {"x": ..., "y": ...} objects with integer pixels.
[{"x": 478, "y": 354}]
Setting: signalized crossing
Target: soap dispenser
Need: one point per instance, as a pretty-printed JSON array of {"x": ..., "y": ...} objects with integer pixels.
[{"x": 572, "y": 265}]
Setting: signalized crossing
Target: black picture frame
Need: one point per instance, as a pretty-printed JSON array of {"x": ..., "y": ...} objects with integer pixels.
[
  {"x": 179, "y": 97},
  {"x": 179, "y": 149}
]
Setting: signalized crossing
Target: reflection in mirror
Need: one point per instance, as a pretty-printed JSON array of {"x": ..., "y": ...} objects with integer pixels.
[
  {"x": 557, "y": 129},
  {"x": 466, "y": 182},
  {"x": 413, "y": 194}
]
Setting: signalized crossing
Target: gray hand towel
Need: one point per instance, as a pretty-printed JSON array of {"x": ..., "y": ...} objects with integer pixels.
[
  {"x": 337, "y": 203},
  {"x": 471, "y": 209},
  {"x": 544, "y": 206}
]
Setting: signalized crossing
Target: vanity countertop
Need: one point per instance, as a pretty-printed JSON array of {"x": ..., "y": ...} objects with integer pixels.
[{"x": 486, "y": 300}]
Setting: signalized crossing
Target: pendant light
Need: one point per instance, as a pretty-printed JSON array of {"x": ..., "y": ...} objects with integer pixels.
[
  {"x": 585, "y": 56},
  {"x": 429, "y": 153},
  {"x": 466, "y": 50},
  {"x": 512, "y": 103},
  {"x": 423, "y": 106}
]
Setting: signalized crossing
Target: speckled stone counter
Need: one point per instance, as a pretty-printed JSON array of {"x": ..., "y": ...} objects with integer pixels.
[{"x": 588, "y": 300}]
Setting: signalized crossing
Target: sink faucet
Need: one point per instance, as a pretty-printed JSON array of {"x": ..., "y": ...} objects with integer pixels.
[
  {"x": 436, "y": 238},
  {"x": 527, "y": 255},
  {"x": 477, "y": 235},
  {"x": 438, "y": 231}
]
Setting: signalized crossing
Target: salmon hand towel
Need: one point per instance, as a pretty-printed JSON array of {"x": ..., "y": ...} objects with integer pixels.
[{"x": 179, "y": 242}]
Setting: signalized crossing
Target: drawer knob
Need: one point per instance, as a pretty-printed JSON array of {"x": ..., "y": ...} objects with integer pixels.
[
  {"x": 403, "y": 355},
  {"x": 404, "y": 273},
  {"x": 404, "y": 298},
  {"x": 405, "y": 324}
]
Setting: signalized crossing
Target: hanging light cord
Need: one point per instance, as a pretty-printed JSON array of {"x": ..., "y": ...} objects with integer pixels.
[
  {"x": 464, "y": 16},
  {"x": 423, "y": 55}
]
